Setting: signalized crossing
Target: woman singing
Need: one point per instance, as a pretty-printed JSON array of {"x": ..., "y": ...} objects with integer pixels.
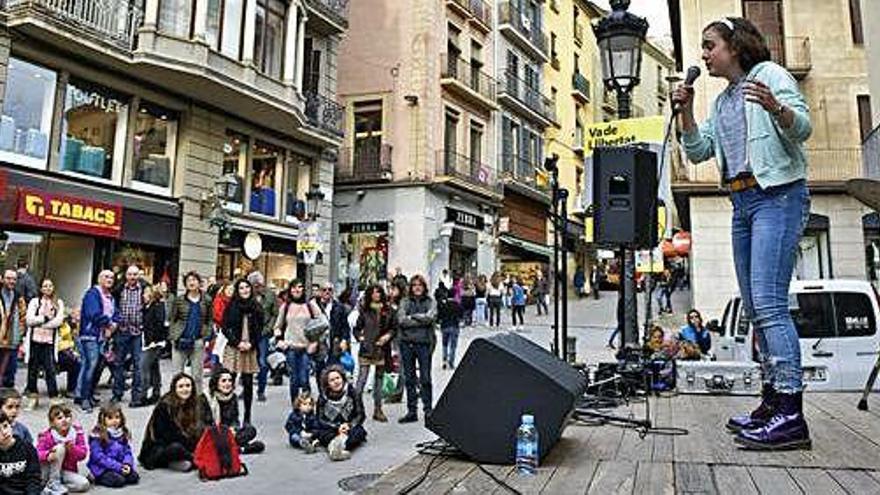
[{"x": 755, "y": 131}]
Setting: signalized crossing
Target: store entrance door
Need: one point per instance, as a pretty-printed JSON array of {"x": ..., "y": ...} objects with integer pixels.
[{"x": 463, "y": 253}]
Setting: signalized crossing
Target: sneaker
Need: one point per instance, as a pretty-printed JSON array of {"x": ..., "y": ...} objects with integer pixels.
[
  {"x": 308, "y": 445},
  {"x": 409, "y": 418},
  {"x": 336, "y": 450},
  {"x": 32, "y": 403},
  {"x": 55, "y": 487},
  {"x": 261, "y": 397}
]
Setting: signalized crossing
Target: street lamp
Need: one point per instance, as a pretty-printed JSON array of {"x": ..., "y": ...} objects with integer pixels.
[
  {"x": 620, "y": 36},
  {"x": 314, "y": 197},
  {"x": 213, "y": 204}
]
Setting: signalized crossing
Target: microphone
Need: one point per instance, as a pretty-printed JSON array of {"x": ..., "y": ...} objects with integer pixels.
[{"x": 692, "y": 74}]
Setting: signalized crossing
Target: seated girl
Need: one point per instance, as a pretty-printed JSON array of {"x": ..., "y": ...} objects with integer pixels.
[
  {"x": 222, "y": 406},
  {"x": 174, "y": 428},
  {"x": 111, "y": 461},
  {"x": 340, "y": 415}
]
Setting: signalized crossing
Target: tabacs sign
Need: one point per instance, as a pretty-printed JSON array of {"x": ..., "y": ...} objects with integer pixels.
[{"x": 68, "y": 213}]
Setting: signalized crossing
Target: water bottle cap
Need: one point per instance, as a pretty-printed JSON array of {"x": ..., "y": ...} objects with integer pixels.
[{"x": 528, "y": 419}]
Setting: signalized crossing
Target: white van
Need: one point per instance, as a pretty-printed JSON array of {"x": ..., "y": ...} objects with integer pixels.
[{"x": 837, "y": 324}]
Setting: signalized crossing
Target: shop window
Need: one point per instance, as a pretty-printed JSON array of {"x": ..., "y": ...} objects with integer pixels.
[
  {"x": 297, "y": 184},
  {"x": 93, "y": 141},
  {"x": 264, "y": 178},
  {"x": 154, "y": 144},
  {"x": 235, "y": 152},
  {"x": 26, "y": 122},
  {"x": 269, "y": 42},
  {"x": 175, "y": 17}
]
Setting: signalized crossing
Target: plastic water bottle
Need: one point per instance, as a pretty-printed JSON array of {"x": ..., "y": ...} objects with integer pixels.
[{"x": 527, "y": 446}]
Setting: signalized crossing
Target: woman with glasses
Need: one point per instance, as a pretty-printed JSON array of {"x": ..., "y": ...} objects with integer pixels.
[
  {"x": 695, "y": 333},
  {"x": 415, "y": 322}
]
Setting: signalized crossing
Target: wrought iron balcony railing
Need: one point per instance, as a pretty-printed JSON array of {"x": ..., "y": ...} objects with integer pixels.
[
  {"x": 324, "y": 113},
  {"x": 112, "y": 21},
  {"x": 368, "y": 161},
  {"x": 581, "y": 85},
  {"x": 470, "y": 170},
  {"x": 530, "y": 97},
  {"x": 522, "y": 170},
  {"x": 525, "y": 25},
  {"x": 464, "y": 72}
]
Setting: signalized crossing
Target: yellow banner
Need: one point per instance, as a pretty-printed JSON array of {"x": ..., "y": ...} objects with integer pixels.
[{"x": 623, "y": 132}]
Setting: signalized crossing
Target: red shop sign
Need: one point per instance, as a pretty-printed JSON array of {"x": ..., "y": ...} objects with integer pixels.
[{"x": 68, "y": 213}]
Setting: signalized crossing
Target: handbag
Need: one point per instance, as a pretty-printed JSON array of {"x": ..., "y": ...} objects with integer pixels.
[
  {"x": 317, "y": 327},
  {"x": 389, "y": 384}
]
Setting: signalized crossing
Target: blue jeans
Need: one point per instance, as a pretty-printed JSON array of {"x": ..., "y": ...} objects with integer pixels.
[
  {"x": 410, "y": 353},
  {"x": 125, "y": 345},
  {"x": 450, "y": 342},
  {"x": 480, "y": 310},
  {"x": 298, "y": 368},
  {"x": 262, "y": 355},
  {"x": 11, "y": 369},
  {"x": 767, "y": 226},
  {"x": 89, "y": 352}
]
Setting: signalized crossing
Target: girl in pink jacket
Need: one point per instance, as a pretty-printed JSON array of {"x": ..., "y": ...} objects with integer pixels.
[{"x": 60, "y": 448}]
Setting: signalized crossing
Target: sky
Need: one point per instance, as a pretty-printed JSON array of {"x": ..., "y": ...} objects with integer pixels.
[{"x": 656, "y": 11}]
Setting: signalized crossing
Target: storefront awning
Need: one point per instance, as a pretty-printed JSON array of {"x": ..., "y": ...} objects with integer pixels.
[{"x": 529, "y": 246}]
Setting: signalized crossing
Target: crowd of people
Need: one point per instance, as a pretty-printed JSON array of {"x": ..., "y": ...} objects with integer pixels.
[{"x": 221, "y": 337}]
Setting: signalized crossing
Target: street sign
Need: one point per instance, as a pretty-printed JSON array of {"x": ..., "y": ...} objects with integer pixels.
[{"x": 309, "y": 241}]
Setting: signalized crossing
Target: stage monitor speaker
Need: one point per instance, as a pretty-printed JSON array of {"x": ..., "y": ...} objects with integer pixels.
[
  {"x": 499, "y": 379},
  {"x": 624, "y": 195}
]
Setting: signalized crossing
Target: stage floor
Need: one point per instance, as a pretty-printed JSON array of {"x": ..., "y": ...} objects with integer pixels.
[{"x": 614, "y": 460}]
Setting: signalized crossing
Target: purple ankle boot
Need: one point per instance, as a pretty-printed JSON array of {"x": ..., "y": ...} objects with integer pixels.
[
  {"x": 759, "y": 416},
  {"x": 786, "y": 430}
]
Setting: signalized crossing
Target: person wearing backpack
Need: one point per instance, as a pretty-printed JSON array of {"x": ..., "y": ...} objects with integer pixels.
[{"x": 294, "y": 317}]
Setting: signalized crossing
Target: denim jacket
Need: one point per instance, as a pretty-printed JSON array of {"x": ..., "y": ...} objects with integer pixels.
[{"x": 776, "y": 154}]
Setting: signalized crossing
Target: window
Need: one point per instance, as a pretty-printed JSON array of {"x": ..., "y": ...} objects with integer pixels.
[
  {"x": 269, "y": 36},
  {"x": 855, "y": 22},
  {"x": 577, "y": 63},
  {"x": 297, "y": 185},
  {"x": 453, "y": 51},
  {"x": 476, "y": 143},
  {"x": 312, "y": 60},
  {"x": 855, "y": 314},
  {"x": 26, "y": 123},
  {"x": 367, "y": 135},
  {"x": 231, "y": 28},
  {"x": 552, "y": 45},
  {"x": 235, "y": 153},
  {"x": 450, "y": 140},
  {"x": 766, "y": 15},
  {"x": 175, "y": 17},
  {"x": 265, "y": 167},
  {"x": 212, "y": 29},
  {"x": 864, "y": 108},
  {"x": 154, "y": 142},
  {"x": 476, "y": 65},
  {"x": 813, "y": 315},
  {"x": 93, "y": 136}
]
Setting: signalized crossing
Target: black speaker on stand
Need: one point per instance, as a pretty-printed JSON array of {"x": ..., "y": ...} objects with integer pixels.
[
  {"x": 499, "y": 379},
  {"x": 624, "y": 195}
]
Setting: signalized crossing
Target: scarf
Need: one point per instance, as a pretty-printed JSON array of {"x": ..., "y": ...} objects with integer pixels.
[
  {"x": 338, "y": 411},
  {"x": 214, "y": 400},
  {"x": 376, "y": 306},
  {"x": 115, "y": 433},
  {"x": 59, "y": 438}
]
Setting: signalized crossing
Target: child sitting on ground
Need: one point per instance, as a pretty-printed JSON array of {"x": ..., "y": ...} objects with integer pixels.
[
  {"x": 60, "y": 448},
  {"x": 10, "y": 404},
  {"x": 19, "y": 466},
  {"x": 302, "y": 423},
  {"x": 222, "y": 407},
  {"x": 111, "y": 460},
  {"x": 340, "y": 415}
]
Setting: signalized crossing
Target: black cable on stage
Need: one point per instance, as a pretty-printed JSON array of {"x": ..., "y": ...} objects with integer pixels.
[
  {"x": 499, "y": 481},
  {"x": 438, "y": 448}
]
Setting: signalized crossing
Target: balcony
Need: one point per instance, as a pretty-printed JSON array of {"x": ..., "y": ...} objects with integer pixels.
[
  {"x": 871, "y": 155},
  {"x": 523, "y": 31},
  {"x": 793, "y": 53},
  {"x": 580, "y": 87},
  {"x": 328, "y": 16},
  {"x": 324, "y": 113},
  {"x": 833, "y": 165},
  {"x": 520, "y": 174},
  {"x": 525, "y": 100},
  {"x": 463, "y": 171},
  {"x": 579, "y": 34},
  {"x": 478, "y": 12},
  {"x": 554, "y": 61},
  {"x": 102, "y": 22},
  {"x": 460, "y": 77},
  {"x": 578, "y": 145},
  {"x": 369, "y": 161}
]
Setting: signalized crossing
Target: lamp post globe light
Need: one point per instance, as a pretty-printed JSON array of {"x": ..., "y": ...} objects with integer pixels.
[
  {"x": 225, "y": 187},
  {"x": 314, "y": 198},
  {"x": 620, "y": 36}
]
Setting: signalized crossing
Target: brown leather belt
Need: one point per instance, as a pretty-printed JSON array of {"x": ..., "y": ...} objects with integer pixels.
[{"x": 742, "y": 183}]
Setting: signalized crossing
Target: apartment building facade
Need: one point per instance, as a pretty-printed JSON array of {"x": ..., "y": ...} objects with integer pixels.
[
  {"x": 822, "y": 44},
  {"x": 417, "y": 184},
  {"x": 119, "y": 120}
]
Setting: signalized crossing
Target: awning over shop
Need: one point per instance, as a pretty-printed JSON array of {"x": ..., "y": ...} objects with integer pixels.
[{"x": 531, "y": 247}]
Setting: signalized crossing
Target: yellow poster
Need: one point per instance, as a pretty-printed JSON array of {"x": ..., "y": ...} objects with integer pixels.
[
  {"x": 650, "y": 261},
  {"x": 623, "y": 132}
]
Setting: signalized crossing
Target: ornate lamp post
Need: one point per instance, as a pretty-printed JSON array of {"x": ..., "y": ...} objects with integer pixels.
[{"x": 620, "y": 36}]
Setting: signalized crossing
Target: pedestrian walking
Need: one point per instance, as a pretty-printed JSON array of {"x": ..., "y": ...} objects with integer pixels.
[
  {"x": 541, "y": 292},
  {"x": 269, "y": 304},
  {"x": 98, "y": 319},
  {"x": 415, "y": 322},
  {"x": 468, "y": 301},
  {"x": 579, "y": 280},
  {"x": 374, "y": 330},
  {"x": 518, "y": 303},
  {"x": 45, "y": 314},
  {"x": 495, "y": 296},
  {"x": 481, "y": 289},
  {"x": 449, "y": 318},
  {"x": 191, "y": 316}
]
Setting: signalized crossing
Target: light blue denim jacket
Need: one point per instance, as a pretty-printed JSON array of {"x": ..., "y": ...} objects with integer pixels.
[{"x": 776, "y": 155}]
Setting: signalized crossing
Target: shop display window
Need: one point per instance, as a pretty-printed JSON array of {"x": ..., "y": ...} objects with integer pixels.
[
  {"x": 265, "y": 167},
  {"x": 235, "y": 151},
  {"x": 297, "y": 184},
  {"x": 93, "y": 140},
  {"x": 26, "y": 122},
  {"x": 366, "y": 258},
  {"x": 154, "y": 145}
]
